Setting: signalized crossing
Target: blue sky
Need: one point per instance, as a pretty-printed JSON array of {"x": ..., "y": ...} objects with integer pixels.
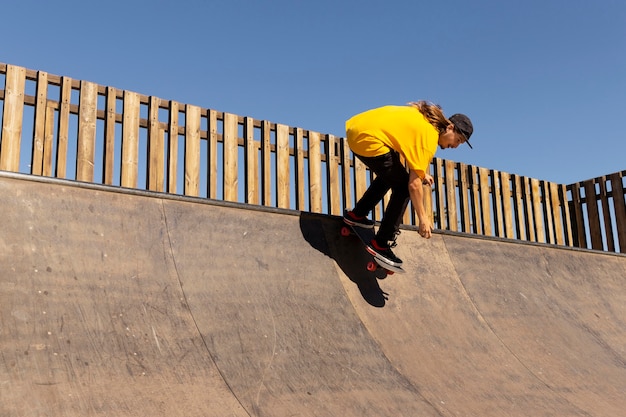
[{"x": 544, "y": 81}]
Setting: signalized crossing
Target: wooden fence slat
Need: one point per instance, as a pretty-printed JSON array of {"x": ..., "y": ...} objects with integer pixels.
[
  {"x": 64, "y": 126},
  {"x": 172, "y": 141},
  {"x": 537, "y": 210},
  {"x": 440, "y": 215},
  {"x": 87, "y": 116},
  {"x": 156, "y": 147},
  {"x": 496, "y": 198},
  {"x": 299, "y": 173},
  {"x": 266, "y": 163},
  {"x": 476, "y": 218},
  {"x": 450, "y": 196},
  {"x": 346, "y": 188},
  {"x": 593, "y": 215},
  {"x": 315, "y": 172},
  {"x": 557, "y": 215},
  {"x": 251, "y": 148},
  {"x": 567, "y": 221},
  {"x": 619, "y": 208},
  {"x": 464, "y": 192},
  {"x": 12, "y": 118},
  {"x": 579, "y": 220},
  {"x": 282, "y": 166},
  {"x": 518, "y": 197},
  {"x": 109, "y": 135},
  {"x": 483, "y": 176},
  {"x": 231, "y": 147},
  {"x": 547, "y": 211},
  {"x": 130, "y": 140},
  {"x": 507, "y": 206},
  {"x": 212, "y": 157},
  {"x": 360, "y": 179},
  {"x": 39, "y": 133},
  {"x": 192, "y": 150},
  {"x": 606, "y": 216},
  {"x": 332, "y": 174},
  {"x": 48, "y": 158}
]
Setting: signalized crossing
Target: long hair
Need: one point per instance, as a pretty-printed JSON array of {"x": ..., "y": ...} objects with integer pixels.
[{"x": 432, "y": 113}]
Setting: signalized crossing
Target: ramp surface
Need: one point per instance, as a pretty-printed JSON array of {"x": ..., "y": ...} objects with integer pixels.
[{"x": 118, "y": 303}]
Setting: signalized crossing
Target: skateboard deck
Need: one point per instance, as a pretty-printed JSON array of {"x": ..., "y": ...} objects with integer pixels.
[{"x": 365, "y": 236}]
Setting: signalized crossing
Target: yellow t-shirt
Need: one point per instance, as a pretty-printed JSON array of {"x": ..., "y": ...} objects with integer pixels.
[{"x": 401, "y": 128}]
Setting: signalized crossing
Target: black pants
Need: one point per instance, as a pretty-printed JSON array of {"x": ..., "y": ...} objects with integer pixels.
[{"x": 390, "y": 174}]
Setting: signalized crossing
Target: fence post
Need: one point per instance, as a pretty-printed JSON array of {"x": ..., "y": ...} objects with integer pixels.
[{"x": 13, "y": 114}]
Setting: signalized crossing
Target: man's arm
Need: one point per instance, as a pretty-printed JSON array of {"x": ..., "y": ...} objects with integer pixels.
[{"x": 416, "y": 192}]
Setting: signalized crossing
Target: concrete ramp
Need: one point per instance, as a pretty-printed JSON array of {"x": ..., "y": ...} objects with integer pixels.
[{"x": 119, "y": 303}]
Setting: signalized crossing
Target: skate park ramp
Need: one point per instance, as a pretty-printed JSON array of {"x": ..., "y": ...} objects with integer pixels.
[{"x": 122, "y": 303}]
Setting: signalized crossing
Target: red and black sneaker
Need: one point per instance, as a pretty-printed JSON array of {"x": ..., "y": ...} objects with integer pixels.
[
  {"x": 352, "y": 220},
  {"x": 383, "y": 253}
]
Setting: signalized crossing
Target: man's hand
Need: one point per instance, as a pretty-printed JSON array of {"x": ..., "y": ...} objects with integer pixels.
[
  {"x": 428, "y": 179},
  {"x": 426, "y": 228}
]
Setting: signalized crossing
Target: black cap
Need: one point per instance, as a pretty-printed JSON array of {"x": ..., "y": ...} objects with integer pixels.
[{"x": 463, "y": 124}]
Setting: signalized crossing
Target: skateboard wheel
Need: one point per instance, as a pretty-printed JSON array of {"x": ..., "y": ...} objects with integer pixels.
[
  {"x": 390, "y": 272},
  {"x": 345, "y": 231},
  {"x": 372, "y": 266}
]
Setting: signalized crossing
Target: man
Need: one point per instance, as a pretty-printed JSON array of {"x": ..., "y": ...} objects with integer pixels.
[{"x": 378, "y": 137}]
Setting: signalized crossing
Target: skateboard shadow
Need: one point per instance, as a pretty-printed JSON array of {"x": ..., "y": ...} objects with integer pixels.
[{"x": 323, "y": 233}]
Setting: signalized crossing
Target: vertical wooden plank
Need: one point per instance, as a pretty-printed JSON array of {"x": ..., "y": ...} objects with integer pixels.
[
  {"x": 213, "y": 165},
  {"x": 507, "y": 208},
  {"x": 282, "y": 166},
  {"x": 12, "y": 118},
  {"x": 441, "y": 210},
  {"x": 301, "y": 192},
  {"x": 172, "y": 154},
  {"x": 346, "y": 188},
  {"x": 109, "y": 135},
  {"x": 579, "y": 218},
  {"x": 451, "y": 196},
  {"x": 315, "y": 172},
  {"x": 64, "y": 126},
  {"x": 251, "y": 161},
  {"x": 593, "y": 215},
  {"x": 192, "y": 150},
  {"x": 546, "y": 203},
  {"x": 518, "y": 198},
  {"x": 156, "y": 147},
  {"x": 485, "y": 208},
  {"x": 332, "y": 166},
  {"x": 39, "y": 133},
  {"x": 565, "y": 212},
  {"x": 528, "y": 210},
  {"x": 360, "y": 178},
  {"x": 477, "y": 226},
  {"x": 87, "y": 116},
  {"x": 606, "y": 215},
  {"x": 557, "y": 217},
  {"x": 266, "y": 163},
  {"x": 231, "y": 147},
  {"x": 496, "y": 202},
  {"x": 537, "y": 210},
  {"x": 619, "y": 208},
  {"x": 48, "y": 157},
  {"x": 463, "y": 186},
  {"x": 130, "y": 140}
]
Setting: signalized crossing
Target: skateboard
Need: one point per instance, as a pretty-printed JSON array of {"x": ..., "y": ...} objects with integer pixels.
[{"x": 365, "y": 236}]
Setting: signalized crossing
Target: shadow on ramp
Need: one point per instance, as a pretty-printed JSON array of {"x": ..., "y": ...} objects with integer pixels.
[{"x": 324, "y": 234}]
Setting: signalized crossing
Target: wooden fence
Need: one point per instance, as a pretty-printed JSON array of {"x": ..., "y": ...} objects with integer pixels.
[{"x": 59, "y": 127}]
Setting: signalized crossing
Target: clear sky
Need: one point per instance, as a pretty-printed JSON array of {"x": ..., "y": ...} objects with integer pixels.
[{"x": 544, "y": 81}]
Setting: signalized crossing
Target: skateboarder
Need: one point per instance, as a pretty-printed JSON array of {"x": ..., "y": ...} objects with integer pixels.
[{"x": 378, "y": 137}]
